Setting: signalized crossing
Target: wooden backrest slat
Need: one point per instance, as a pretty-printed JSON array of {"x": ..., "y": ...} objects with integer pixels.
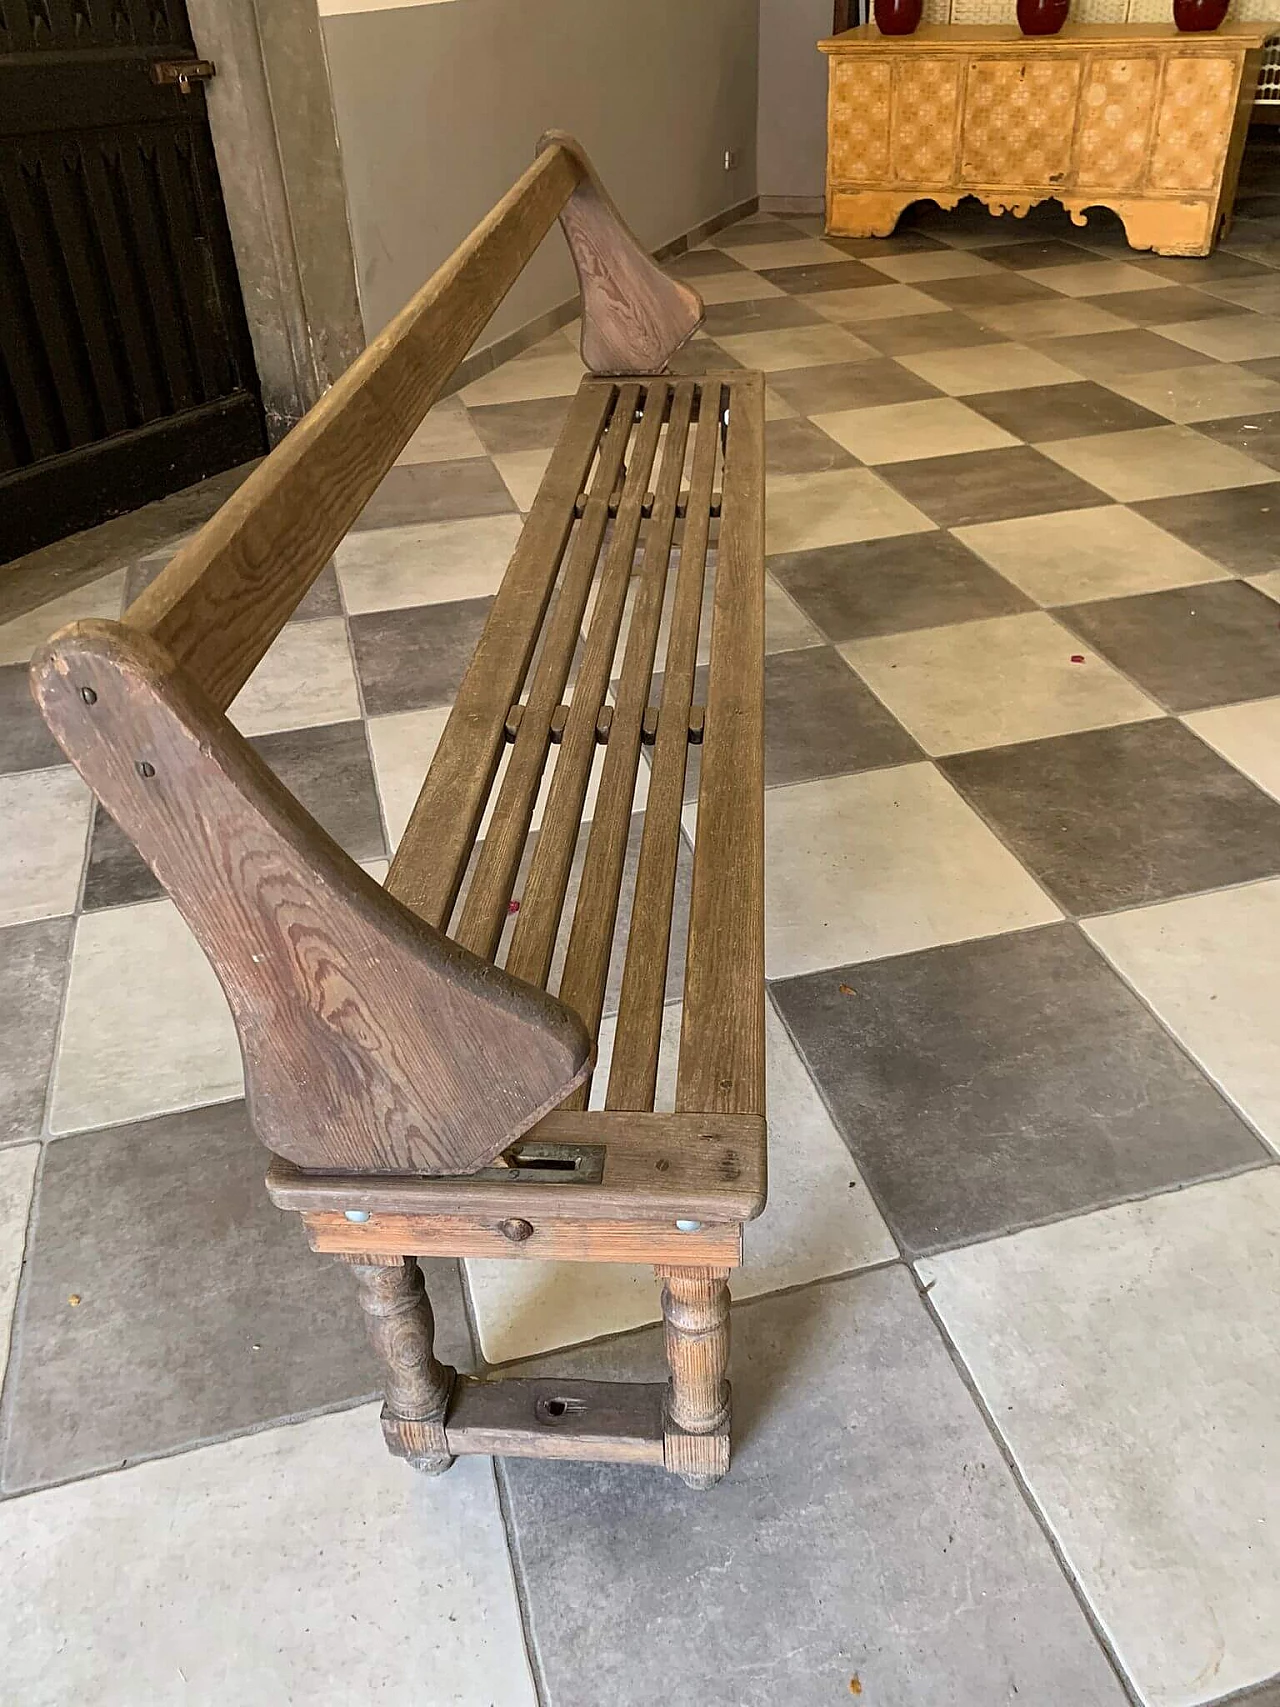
[
  {"x": 225, "y": 596},
  {"x": 721, "y": 1066},
  {"x": 485, "y": 906},
  {"x": 433, "y": 852},
  {"x": 533, "y": 942},
  {"x": 586, "y": 967},
  {"x": 633, "y": 1074}
]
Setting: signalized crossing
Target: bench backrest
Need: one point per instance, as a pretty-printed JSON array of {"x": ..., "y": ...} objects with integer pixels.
[{"x": 370, "y": 1039}]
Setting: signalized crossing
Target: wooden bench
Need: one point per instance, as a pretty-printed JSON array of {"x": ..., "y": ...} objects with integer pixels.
[{"x": 421, "y": 1100}]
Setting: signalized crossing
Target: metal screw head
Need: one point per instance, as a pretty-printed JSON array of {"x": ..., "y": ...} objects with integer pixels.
[
  {"x": 360, "y": 1215},
  {"x": 688, "y": 1226},
  {"x": 144, "y": 769},
  {"x": 88, "y": 696},
  {"x": 516, "y": 1231}
]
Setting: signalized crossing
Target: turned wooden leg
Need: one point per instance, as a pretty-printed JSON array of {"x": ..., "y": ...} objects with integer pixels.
[
  {"x": 695, "y": 1315},
  {"x": 401, "y": 1330}
]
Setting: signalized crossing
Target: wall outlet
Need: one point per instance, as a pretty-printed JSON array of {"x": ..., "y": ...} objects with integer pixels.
[{"x": 730, "y": 159}]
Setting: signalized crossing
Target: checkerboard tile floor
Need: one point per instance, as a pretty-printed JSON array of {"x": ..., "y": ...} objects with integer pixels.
[{"x": 1007, "y": 1368}]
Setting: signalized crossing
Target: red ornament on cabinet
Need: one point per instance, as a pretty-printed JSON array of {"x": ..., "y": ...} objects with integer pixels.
[
  {"x": 1042, "y": 17},
  {"x": 1191, "y": 15},
  {"x": 897, "y": 17}
]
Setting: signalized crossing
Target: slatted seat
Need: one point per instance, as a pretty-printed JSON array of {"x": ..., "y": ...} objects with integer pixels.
[{"x": 420, "y": 1056}]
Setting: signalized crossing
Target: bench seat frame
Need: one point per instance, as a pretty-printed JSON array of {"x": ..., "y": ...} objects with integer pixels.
[{"x": 422, "y": 1101}]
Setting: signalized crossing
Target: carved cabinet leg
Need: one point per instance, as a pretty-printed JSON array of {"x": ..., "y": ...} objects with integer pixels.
[
  {"x": 401, "y": 1330},
  {"x": 695, "y": 1315}
]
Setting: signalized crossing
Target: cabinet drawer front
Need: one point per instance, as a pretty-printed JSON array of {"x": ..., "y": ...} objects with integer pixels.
[
  {"x": 1018, "y": 119},
  {"x": 1194, "y": 124},
  {"x": 858, "y": 122},
  {"x": 1116, "y": 111},
  {"x": 926, "y": 96}
]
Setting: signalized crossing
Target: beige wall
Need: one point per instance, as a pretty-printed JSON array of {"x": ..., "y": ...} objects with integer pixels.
[
  {"x": 439, "y": 106},
  {"x": 793, "y": 97}
]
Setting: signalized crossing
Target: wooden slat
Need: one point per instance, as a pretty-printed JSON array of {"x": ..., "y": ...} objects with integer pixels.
[
  {"x": 485, "y": 907},
  {"x": 699, "y": 1167},
  {"x": 122, "y": 275},
  {"x": 561, "y": 1240},
  {"x": 633, "y": 1073},
  {"x": 586, "y": 967},
  {"x": 226, "y": 595},
  {"x": 604, "y": 1422},
  {"x": 442, "y": 829},
  {"x": 534, "y": 939},
  {"x": 72, "y": 215},
  {"x": 722, "y": 1034},
  {"x": 137, "y": 169}
]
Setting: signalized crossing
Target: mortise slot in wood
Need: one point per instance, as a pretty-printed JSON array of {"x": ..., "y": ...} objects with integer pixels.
[
  {"x": 604, "y": 722},
  {"x": 649, "y": 726}
]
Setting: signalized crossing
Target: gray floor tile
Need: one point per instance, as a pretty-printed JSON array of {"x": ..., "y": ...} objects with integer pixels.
[
  {"x": 1047, "y": 252},
  {"x": 699, "y": 356},
  {"x": 796, "y": 446},
  {"x": 758, "y": 228},
  {"x": 1099, "y": 355},
  {"x": 534, "y": 423},
  {"x": 904, "y": 241},
  {"x": 697, "y": 263},
  {"x": 436, "y": 492},
  {"x": 33, "y": 973},
  {"x": 1256, "y": 435},
  {"x": 820, "y": 720},
  {"x": 417, "y": 657},
  {"x": 17, "y": 1179},
  {"x": 1118, "y": 817},
  {"x": 987, "y": 290},
  {"x": 849, "y": 385},
  {"x": 320, "y": 599},
  {"x": 867, "y": 1538},
  {"x": 1236, "y": 526},
  {"x": 25, "y": 742},
  {"x": 1197, "y": 269},
  {"x": 985, "y": 1086},
  {"x": 1164, "y": 304},
  {"x": 835, "y": 275},
  {"x": 327, "y": 768},
  {"x": 989, "y": 485},
  {"x": 1190, "y": 647},
  {"x": 761, "y": 314},
  {"x": 200, "y": 1309},
  {"x": 885, "y": 586},
  {"x": 1042, "y": 412},
  {"x": 911, "y": 333}
]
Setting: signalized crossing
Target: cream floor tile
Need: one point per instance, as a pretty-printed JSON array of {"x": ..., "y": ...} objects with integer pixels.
[
  {"x": 1228, "y": 337},
  {"x": 396, "y": 568},
  {"x": 402, "y": 747},
  {"x": 998, "y": 230},
  {"x": 1155, "y": 462},
  {"x": 794, "y": 346},
  {"x": 1128, "y": 1360},
  {"x": 1094, "y": 278},
  {"x": 859, "y": 867},
  {"x": 990, "y": 367},
  {"x": 522, "y": 472},
  {"x": 931, "y": 264},
  {"x": 1248, "y": 736},
  {"x": 808, "y": 510},
  {"x": 20, "y": 636},
  {"x": 807, "y": 252},
  {"x": 298, "y": 1565},
  {"x": 552, "y": 372},
  {"x": 45, "y": 819},
  {"x": 819, "y": 1220},
  {"x": 1201, "y": 393},
  {"x": 17, "y": 1175},
  {"x": 1061, "y": 319},
  {"x": 146, "y": 1027},
  {"x": 1268, "y": 583},
  {"x": 983, "y": 684},
  {"x": 306, "y": 679},
  {"x": 1204, "y": 964},
  {"x": 1071, "y": 556},
  {"x": 445, "y": 434},
  {"x": 904, "y": 432},
  {"x": 871, "y": 302},
  {"x": 739, "y": 286}
]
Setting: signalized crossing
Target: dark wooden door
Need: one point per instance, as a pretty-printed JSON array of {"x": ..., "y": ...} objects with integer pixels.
[{"x": 125, "y": 365}]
